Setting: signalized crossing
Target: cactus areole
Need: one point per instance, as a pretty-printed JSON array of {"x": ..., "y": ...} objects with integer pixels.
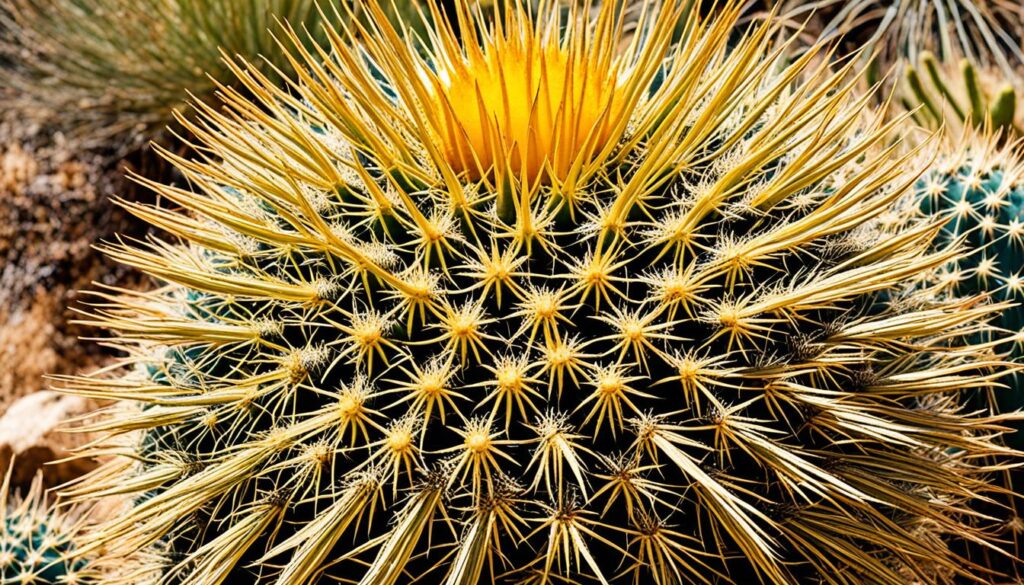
[{"x": 570, "y": 295}]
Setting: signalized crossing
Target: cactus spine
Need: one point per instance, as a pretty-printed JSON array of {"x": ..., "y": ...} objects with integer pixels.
[{"x": 542, "y": 302}]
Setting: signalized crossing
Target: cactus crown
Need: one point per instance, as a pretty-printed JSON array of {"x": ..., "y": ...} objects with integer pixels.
[
  {"x": 536, "y": 302},
  {"x": 38, "y": 542}
]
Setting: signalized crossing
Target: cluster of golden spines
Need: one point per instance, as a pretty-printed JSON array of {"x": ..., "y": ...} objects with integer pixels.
[{"x": 399, "y": 308}]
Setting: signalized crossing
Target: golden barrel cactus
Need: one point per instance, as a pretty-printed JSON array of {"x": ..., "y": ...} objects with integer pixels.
[{"x": 539, "y": 298}]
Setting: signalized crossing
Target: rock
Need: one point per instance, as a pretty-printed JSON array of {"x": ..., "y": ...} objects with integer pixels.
[
  {"x": 30, "y": 431},
  {"x": 30, "y": 347},
  {"x": 54, "y": 205}
]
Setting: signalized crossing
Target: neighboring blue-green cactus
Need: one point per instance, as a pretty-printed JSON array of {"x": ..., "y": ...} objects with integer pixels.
[
  {"x": 982, "y": 192},
  {"x": 38, "y": 542}
]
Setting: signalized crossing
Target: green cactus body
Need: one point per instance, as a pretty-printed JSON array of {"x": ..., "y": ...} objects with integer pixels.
[
  {"x": 569, "y": 304},
  {"x": 982, "y": 193},
  {"x": 958, "y": 100},
  {"x": 38, "y": 543}
]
